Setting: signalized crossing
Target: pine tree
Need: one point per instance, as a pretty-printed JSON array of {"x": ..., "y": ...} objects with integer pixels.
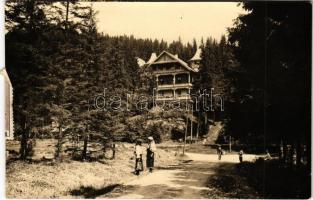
[{"x": 26, "y": 23}]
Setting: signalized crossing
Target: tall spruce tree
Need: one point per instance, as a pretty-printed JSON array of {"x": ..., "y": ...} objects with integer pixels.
[
  {"x": 26, "y": 60},
  {"x": 271, "y": 42}
]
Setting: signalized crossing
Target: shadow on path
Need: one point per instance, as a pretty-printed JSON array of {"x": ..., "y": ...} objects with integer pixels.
[
  {"x": 199, "y": 176},
  {"x": 91, "y": 192},
  {"x": 188, "y": 180}
]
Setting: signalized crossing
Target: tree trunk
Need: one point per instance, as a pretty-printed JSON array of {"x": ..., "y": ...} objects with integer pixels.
[
  {"x": 84, "y": 153},
  {"x": 198, "y": 125},
  {"x": 191, "y": 128},
  {"x": 59, "y": 144},
  {"x": 205, "y": 120},
  {"x": 24, "y": 139},
  {"x": 23, "y": 149},
  {"x": 299, "y": 152},
  {"x": 230, "y": 143},
  {"x": 185, "y": 138},
  {"x": 113, "y": 149},
  {"x": 198, "y": 129},
  {"x": 285, "y": 153},
  {"x": 66, "y": 15}
]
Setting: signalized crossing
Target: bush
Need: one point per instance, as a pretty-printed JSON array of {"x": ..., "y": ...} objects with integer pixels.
[
  {"x": 156, "y": 131},
  {"x": 177, "y": 134}
]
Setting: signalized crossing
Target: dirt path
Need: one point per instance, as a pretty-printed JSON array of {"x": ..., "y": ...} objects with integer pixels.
[{"x": 191, "y": 179}]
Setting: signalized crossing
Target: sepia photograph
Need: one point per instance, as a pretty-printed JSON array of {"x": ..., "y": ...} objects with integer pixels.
[{"x": 157, "y": 100}]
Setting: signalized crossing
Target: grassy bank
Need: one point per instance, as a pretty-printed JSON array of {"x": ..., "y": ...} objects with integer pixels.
[{"x": 72, "y": 179}]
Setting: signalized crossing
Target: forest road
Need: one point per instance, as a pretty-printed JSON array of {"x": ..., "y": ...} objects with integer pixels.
[{"x": 190, "y": 179}]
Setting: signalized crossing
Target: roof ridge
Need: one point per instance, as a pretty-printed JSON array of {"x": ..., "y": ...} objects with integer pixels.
[
  {"x": 175, "y": 58},
  {"x": 180, "y": 60}
]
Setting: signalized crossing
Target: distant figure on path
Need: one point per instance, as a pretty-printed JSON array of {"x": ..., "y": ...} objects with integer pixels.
[
  {"x": 150, "y": 153},
  {"x": 268, "y": 155},
  {"x": 138, "y": 155},
  {"x": 281, "y": 152},
  {"x": 294, "y": 156},
  {"x": 304, "y": 155},
  {"x": 240, "y": 155},
  {"x": 219, "y": 152}
]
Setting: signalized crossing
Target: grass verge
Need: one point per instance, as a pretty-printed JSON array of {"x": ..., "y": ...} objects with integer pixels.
[{"x": 74, "y": 179}]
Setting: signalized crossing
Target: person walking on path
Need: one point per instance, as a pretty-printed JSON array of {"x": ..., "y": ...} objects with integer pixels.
[
  {"x": 268, "y": 155},
  {"x": 138, "y": 155},
  {"x": 219, "y": 152},
  {"x": 151, "y": 153},
  {"x": 240, "y": 155}
]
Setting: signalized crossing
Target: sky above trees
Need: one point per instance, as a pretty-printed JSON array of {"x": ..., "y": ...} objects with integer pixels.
[{"x": 168, "y": 21}]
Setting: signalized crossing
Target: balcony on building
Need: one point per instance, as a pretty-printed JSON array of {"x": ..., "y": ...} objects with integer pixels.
[
  {"x": 173, "y": 94},
  {"x": 174, "y": 80}
]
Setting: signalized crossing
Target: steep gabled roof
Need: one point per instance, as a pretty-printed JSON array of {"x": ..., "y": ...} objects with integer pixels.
[
  {"x": 152, "y": 58},
  {"x": 140, "y": 62},
  {"x": 197, "y": 55},
  {"x": 175, "y": 59}
]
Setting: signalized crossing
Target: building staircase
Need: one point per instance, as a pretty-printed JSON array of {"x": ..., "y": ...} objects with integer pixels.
[
  {"x": 208, "y": 144},
  {"x": 213, "y": 133}
]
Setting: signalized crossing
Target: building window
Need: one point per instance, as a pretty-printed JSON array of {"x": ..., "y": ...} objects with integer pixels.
[
  {"x": 179, "y": 80},
  {"x": 178, "y": 92},
  {"x": 161, "y": 81}
]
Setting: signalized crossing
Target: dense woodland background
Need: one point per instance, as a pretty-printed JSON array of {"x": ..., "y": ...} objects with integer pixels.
[{"x": 58, "y": 62}]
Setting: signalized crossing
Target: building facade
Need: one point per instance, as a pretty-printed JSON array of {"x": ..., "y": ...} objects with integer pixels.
[
  {"x": 174, "y": 82},
  {"x": 174, "y": 77}
]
